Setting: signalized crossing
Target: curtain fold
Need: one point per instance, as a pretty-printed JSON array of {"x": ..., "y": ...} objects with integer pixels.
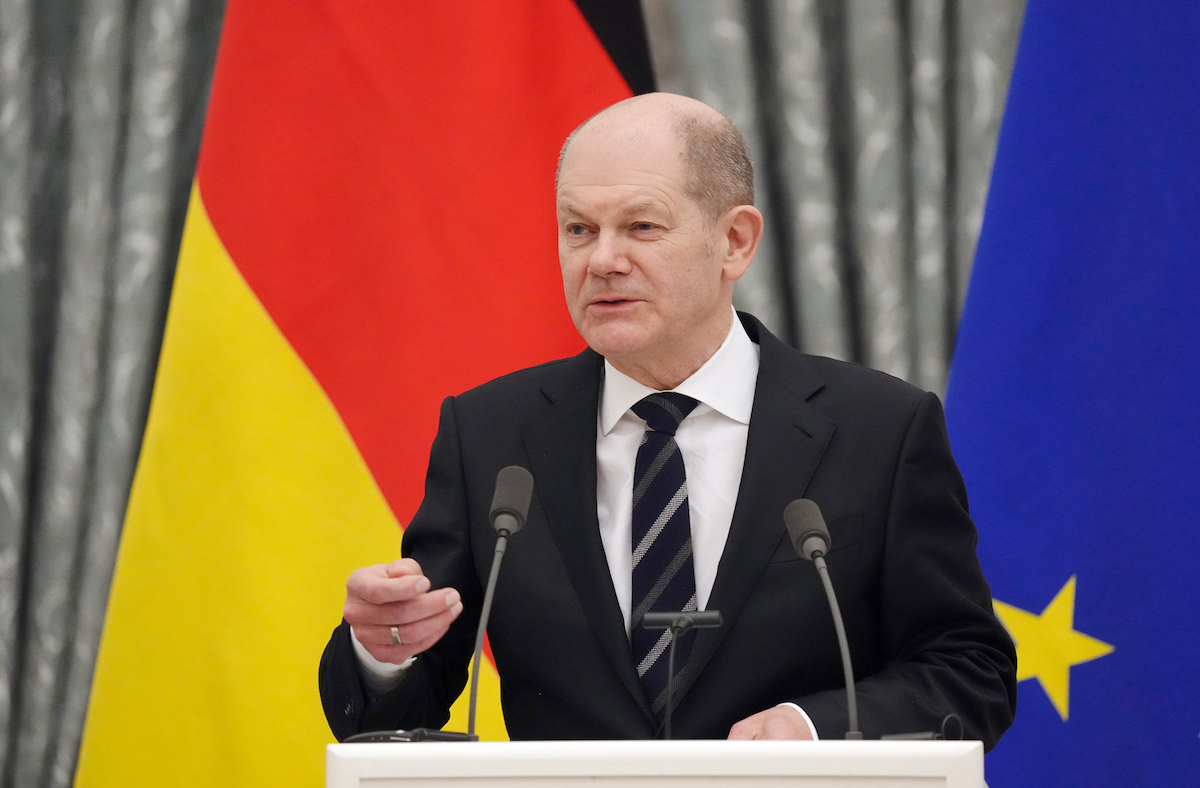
[
  {"x": 873, "y": 127},
  {"x": 99, "y": 116}
]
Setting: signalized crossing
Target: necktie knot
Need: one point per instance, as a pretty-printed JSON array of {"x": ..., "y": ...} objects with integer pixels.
[{"x": 664, "y": 410}]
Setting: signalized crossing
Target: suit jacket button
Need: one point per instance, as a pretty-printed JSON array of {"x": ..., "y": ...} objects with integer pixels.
[{"x": 349, "y": 710}]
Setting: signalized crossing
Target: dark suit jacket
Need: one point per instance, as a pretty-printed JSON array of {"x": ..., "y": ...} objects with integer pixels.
[{"x": 871, "y": 451}]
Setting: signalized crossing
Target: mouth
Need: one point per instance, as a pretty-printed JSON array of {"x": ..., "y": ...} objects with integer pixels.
[
  {"x": 611, "y": 301},
  {"x": 610, "y": 307}
]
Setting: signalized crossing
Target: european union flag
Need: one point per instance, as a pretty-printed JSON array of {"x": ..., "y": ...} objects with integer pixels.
[{"x": 1074, "y": 400}]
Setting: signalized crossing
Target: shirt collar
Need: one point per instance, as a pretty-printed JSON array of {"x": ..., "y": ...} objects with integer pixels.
[{"x": 725, "y": 383}]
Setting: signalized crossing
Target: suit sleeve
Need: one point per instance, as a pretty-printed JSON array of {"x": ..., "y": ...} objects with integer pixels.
[
  {"x": 438, "y": 538},
  {"x": 944, "y": 649}
]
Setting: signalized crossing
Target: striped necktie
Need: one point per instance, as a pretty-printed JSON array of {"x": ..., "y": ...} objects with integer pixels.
[{"x": 663, "y": 578}]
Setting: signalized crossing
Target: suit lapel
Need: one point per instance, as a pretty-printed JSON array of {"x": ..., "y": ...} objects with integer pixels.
[
  {"x": 562, "y": 450},
  {"x": 786, "y": 441}
]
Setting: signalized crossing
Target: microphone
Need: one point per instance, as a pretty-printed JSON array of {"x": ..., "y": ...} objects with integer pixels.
[
  {"x": 678, "y": 623},
  {"x": 510, "y": 507},
  {"x": 510, "y": 501},
  {"x": 806, "y": 527},
  {"x": 810, "y": 537}
]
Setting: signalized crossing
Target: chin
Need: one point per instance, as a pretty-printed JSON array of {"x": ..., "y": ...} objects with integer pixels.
[{"x": 613, "y": 342}]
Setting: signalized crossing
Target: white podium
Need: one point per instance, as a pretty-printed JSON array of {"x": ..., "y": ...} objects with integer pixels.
[{"x": 641, "y": 764}]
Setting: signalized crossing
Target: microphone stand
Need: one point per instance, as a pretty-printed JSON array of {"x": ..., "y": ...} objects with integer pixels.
[
  {"x": 501, "y": 544},
  {"x": 844, "y": 646},
  {"x": 810, "y": 536},
  {"x": 678, "y": 623},
  {"x": 510, "y": 507}
]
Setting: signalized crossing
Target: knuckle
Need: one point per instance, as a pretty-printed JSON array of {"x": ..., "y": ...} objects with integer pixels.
[
  {"x": 426, "y": 632},
  {"x": 372, "y": 594},
  {"x": 361, "y": 580},
  {"x": 353, "y": 611},
  {"x": 402, "y": 567}
]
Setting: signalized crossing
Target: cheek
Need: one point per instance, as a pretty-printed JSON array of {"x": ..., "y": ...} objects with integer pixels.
[
  {"x": 693, "y": 288},
  {"x": 704, "y": 282},
  {"x": 574, "y": 273}
]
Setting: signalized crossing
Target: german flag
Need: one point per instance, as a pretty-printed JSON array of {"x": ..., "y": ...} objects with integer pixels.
[{"x": 371, "y": 229}]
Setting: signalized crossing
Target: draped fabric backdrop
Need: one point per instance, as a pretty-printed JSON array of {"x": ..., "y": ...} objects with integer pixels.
[
  {"x": 101, "y": 107},
  {"x": 873, "y": 126}
]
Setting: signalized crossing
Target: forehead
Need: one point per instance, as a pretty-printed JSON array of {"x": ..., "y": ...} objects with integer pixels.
[{"x": 621, "y": 168}]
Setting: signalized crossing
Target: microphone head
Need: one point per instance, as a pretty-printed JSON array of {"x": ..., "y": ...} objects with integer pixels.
[
  {"x": 514, "y": 489},
  {"x": 807, "y": 528}
]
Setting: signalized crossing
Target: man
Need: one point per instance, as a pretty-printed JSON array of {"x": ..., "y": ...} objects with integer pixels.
[{"x": 720, "y": 426}]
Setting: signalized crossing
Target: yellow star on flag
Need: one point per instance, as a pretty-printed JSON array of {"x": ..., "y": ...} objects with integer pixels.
[{"x": 1048, "y": 645}]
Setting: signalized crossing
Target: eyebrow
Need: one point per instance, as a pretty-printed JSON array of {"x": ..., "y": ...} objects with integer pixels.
[
  {"x": 566, "y": 206},
  {"x": 641, "y": 206}
]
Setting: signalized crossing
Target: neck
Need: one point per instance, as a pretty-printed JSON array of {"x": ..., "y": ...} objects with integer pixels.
[{"x": 657, "y": 379}]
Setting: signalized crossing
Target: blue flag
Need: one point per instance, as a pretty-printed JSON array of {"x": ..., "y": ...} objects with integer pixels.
[{"x": 1074, "y": 399}]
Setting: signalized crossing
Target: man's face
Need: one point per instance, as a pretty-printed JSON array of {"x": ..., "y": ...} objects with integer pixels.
[{"x": 639, "y": 258}]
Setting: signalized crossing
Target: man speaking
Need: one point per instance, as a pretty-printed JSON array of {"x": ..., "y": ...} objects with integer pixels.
[{"x": 664, "y": 456}]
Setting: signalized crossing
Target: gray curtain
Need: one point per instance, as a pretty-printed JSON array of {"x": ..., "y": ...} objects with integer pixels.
[
  {"x": 873, "y": 125},
  {"x": 101, "y": 105}
]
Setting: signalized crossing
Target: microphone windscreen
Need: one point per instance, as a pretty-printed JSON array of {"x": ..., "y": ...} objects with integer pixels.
[
  {"x": 514, "y": 489},
  {"x": 807, "y": 528}
]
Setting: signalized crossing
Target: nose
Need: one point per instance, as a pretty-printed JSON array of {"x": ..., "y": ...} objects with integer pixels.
[{"x": 609, "y": 255}]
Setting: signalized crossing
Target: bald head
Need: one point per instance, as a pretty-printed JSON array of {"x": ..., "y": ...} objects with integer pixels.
[{"x": 717, "y": 173}]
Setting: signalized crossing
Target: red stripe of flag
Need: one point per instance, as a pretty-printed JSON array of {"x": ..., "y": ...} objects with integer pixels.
[{"x": 382, "y": 176}]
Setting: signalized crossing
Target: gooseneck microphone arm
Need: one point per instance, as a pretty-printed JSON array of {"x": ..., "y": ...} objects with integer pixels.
[
  {"x": 810, "y": 537},
  {"x": 843, "y": 644},
  {"x": 501, "y": 544},
  {"x": 510, "y": 507}
]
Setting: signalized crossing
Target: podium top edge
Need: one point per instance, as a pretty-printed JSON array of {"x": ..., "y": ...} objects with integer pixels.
[{"x": 675, "y": 758}]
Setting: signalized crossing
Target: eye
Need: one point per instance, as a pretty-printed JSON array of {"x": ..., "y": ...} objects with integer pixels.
[
  {"x": 576, "y": 229},
  {"x": 644, "y": 227}
]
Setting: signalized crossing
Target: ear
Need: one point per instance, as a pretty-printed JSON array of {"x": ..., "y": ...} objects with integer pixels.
[{"x": 741, "y": 229}]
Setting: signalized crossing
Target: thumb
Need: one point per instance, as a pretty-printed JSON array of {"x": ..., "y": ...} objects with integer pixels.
[{"x": 401, "y": 567}]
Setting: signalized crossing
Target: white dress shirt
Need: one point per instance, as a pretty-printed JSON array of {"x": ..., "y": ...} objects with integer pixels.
[{"x": 712, "y": 440}]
